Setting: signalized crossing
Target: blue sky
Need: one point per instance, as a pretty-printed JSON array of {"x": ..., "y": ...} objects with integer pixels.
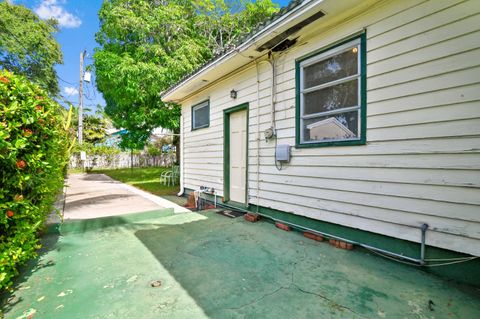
[{"x": 78, "y": 22}]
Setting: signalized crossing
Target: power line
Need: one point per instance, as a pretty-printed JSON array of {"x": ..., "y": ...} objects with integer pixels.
[
  {"x": 20, "y": 43},
  {"x": 58, "y": 76},
  {"x": 27, "y": 50}
]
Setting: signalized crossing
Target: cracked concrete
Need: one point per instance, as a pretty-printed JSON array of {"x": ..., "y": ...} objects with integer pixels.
[{"x": 211, "y": 266}]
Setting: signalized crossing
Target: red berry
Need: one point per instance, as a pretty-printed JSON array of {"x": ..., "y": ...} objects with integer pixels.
[
  {"x": 4, "y": 79},
  {"x": 9, "y": 213},
  {"x": 38, "y": 107},
  {"x": 27, "y": 132},
  {"x": 21, "y": 164}
]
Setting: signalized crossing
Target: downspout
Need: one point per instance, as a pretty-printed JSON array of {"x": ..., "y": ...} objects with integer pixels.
[
  {"x": 271, "y": 59},
  {"x": 258, "y": 134},
  {"x": 182, "y": 156},
  {"x": 273, "y": 133}
]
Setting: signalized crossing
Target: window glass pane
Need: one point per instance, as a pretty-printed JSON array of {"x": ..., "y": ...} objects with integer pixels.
[
  {"x": 331, "y": 98},
  {"x": 331, "y": 69},
  {"x": 343, "y": 126},
  {"x": 201, "y": 116}
]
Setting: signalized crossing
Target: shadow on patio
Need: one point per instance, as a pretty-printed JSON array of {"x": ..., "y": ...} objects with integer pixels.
[
  {"x": 234, "y": 269},
  {"x": 210, "y": 266}
]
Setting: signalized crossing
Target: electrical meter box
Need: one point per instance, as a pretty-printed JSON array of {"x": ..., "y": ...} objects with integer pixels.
[{"x": 282, "y": 153}]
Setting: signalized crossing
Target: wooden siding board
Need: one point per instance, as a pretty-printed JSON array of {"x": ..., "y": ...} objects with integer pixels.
[
  {"x": 470, "y": 127},
  {"x": 448, "y": 64},
  {"x": 406, "y": 14},
  {"x": 415, "y": 191},
  {"x": 402, "y": 231},
  {"x": 425, "y": 39},
  {"x": 431, "y": 84},
  {"x": 399, "y": 208},
  {"x": 442, "y": 113},
  {"x": 456, "y": 95},
  {"x": 460, "y": 178},
  {"x": 424, "y": 19},
  {"x": 418, "y": 54},
  {"x": 399, "y": 147}
]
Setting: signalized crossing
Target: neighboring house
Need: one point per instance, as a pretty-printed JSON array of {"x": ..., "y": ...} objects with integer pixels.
[
  {"x": 379, "y": 101},
  {"x": 113, "y": 137}
]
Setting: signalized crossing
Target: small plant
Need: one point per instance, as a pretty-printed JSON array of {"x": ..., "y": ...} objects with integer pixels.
[{"x": 33, "y": 153}]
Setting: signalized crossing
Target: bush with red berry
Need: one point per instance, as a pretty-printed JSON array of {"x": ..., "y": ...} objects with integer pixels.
[{"x": 33, "y": 155}]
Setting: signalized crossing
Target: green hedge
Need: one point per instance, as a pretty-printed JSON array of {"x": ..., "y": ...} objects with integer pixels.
[{"x": 33, "y": 154}]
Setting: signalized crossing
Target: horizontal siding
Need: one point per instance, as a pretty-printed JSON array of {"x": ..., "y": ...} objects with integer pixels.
[
  {"x": 423, "y": 177},
  {"x": 421, "y": 163},
  {"x": 414, "y": 212},
  {"x": 442, "y": 194}
]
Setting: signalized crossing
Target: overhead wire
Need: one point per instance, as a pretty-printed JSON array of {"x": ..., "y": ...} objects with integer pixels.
[
  {"x": 31, "y": 56},
  {"x": 65, "y": 81}
]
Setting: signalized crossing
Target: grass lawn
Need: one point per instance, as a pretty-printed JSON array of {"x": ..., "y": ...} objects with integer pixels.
[{"x": 147, "y": 179}]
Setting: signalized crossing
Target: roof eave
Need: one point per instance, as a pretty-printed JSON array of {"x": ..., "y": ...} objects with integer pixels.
[{"x": 263, "y": 35}]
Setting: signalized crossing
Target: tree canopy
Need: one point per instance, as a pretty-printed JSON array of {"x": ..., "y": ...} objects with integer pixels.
[
  {"x": 146, "y": 46},
  {"x": 28, "y": 47}
]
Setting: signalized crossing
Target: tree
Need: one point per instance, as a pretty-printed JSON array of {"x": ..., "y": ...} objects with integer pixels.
[
  {"x": 146, "y": 46},
  {"x": 94, "y": 128},
  {"x": 28, "y": 47},
  {"x": 94, "y": 125},
  {"x": 222, "y": 23}
]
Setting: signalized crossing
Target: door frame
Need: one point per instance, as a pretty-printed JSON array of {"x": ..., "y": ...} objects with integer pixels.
[{"x": 226, "y": 153}]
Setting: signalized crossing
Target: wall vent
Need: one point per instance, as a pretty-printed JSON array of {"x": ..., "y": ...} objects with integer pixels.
[{"x": 285, "y": 34}]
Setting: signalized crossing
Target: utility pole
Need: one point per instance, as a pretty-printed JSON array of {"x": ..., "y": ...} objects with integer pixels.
[{"x": 80, "y": 99}]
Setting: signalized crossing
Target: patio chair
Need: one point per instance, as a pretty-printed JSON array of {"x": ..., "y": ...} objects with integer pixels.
[{"x": 169, "y": 178}]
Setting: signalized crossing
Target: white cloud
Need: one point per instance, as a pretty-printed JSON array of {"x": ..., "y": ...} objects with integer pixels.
[
  {"x": 52, "y": 9},
  {"x": 69, "y": 90}
]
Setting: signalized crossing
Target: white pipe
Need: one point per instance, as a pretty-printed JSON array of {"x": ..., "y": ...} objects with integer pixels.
[
  {"x": 419, "y": 262},
  {"x": 258, "y": 134},
  {"x": 272, "y": 95},
  {"x": 422, "y": 247},
  {"x": 182, "y": 156},
  {"x": 415, "y": 260},
  {"x": 258, "y": 130}
]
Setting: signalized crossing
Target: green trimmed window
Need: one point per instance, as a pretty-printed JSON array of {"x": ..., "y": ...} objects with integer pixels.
[
  {"x": 201, "y": 115},
  {"x": 331, "y": 96}
]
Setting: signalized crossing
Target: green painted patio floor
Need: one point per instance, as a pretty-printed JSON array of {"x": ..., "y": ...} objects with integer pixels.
[{"x": 211, "y": 266}]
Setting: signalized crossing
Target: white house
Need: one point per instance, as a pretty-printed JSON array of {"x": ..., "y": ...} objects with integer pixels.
[{"x": 379, "y": 101}]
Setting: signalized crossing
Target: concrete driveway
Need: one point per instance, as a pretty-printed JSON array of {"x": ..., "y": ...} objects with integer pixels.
[{"x": 97, "y": 195}]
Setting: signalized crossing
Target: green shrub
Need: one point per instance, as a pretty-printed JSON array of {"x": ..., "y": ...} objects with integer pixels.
[
  {"x": 33, "y": 149},
  {"x": 153, "y": 150}
]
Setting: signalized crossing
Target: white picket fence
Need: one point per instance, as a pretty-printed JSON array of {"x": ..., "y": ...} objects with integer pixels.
[{"x": 122, "y": 160}]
